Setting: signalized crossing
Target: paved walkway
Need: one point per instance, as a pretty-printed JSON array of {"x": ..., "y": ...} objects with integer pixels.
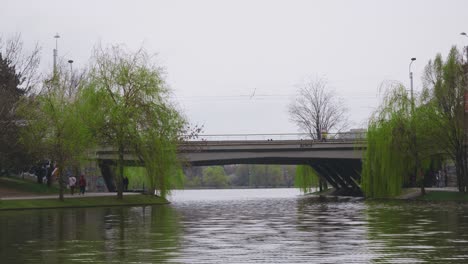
[{"x": 67, "y": 196}]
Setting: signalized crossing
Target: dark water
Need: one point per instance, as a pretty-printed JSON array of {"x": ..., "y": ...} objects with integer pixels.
[{"x": 240, "y": 226}]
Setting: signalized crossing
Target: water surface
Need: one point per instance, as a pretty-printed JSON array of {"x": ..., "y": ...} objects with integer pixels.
[{"x": 240, "y": 226}]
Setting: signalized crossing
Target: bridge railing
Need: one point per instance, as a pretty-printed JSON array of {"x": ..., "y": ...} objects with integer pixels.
[{"x": 330, "y": 137}]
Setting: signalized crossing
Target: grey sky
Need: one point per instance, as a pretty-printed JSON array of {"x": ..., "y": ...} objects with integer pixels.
[{"x": 216, "y": 53}]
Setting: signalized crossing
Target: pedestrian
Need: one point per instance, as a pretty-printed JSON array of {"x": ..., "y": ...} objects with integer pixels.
[
  {"x": 125, "y": 184},
  {"x": 82, "y": 184},
  {"x": 72, "y": 184},
  {"x": 56, "y": 172},
  {"x": 324, "y": 136}
]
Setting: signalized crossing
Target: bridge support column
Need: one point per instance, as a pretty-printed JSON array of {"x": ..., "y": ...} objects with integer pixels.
[
  {"x": 324, "y": 174},
  {"x": 334, "y": 175},
  {"x": 108, "y": 174}
]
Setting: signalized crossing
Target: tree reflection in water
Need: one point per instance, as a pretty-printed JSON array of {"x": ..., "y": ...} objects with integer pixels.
[
  {"x": 148, "y": 234},
  {"x": 409, "y": 232}
]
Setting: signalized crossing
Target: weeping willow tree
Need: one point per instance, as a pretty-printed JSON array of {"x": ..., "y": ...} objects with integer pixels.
[
  {"x": 133, "y": 114},
  {"x": 387, "y": 161},
  {"x": 400, "y": 144},
  {"x": 306, "y": 178},
  {"x": 157, "y": 149}
]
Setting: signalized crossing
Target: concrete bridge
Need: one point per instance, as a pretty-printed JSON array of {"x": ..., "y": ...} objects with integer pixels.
[{"x": 337, "y": 160}]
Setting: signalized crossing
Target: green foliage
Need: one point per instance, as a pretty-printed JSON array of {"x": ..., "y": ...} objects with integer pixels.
[
  {"x": 399, "y": 144},
  {"x": 134, "y": 114},
  {"x": 215, "y": 176},
  {"x": 248, "y": 175},
  {"x": 12, "y": 154},
  {"x": 266, "y": 175},
  {"x": 242, "y": 175},
  {"x": 55, "y": 127},
  {"x": 306, "y": 178},
  {"x": 137, "y": 177},
  {"x": 445, "y": 85}
]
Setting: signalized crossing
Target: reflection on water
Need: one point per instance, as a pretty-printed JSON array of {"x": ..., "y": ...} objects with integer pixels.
[
  {"x": 240, "y": 226},
  {"x": 89, "y": 235},
  {"x": 419, "y": 232}
]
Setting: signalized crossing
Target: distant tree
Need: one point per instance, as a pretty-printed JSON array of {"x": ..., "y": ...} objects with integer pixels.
[
  {"x": 18, "y": 76},
  {"x": 289, "y": 172},
  {"x": 242, "y": 175},
  {"x": 26, "y": 63},
  {"x": 317, "y": 109},
  {"x": 215, "y": 176}
]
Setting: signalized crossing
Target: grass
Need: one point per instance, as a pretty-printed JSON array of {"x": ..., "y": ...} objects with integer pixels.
[
  {"x": 101, "y": 201},
  {"x": 444, "y": 196},
  {"x": 27, "y": 186}
]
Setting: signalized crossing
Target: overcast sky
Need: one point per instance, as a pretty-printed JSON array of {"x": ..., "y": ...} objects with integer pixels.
[{"x": 217, "y": 53}]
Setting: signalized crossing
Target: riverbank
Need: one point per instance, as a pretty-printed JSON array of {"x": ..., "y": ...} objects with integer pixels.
[
  {"x": 52, "y": 202},
  {"x": 446, "y": 194}
]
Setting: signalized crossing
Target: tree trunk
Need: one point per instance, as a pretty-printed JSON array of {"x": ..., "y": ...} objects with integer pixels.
[
  {"x": 120, "y": 174},
  {"x": 60, "y": 179},
  {"x": 423, "y": 189},
  {"x": 461, "y": 171}
]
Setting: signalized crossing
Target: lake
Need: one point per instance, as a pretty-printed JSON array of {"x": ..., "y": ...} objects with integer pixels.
[{"x": 240, "y": 226}]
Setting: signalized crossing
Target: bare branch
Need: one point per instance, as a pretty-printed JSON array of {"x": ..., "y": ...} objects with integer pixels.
[{"x": 318, "y": 110}]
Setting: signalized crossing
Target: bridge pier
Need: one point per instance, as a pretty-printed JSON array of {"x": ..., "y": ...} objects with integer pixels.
[
  {"x": 325, "y": 175},
  {"x": 107, "y": 173},
  {"x": 341, "y": 174}
]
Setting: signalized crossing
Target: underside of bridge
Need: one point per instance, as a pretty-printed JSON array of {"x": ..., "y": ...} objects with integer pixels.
[{"x": 342, "y": 174}]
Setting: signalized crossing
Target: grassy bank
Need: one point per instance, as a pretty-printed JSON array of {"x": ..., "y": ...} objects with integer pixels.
[
  {"x": 444, "y": 196},
  {"x": 27, "y": 186},
  {"x": 101, "y": 201}
]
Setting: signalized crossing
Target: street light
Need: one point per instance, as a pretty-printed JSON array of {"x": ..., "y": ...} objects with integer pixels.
[
  {"x": 466, "y": 47},
  {"x": 57, "y": 36},
  {"x": 71, "y": 71},
  {"x": 411, "y": 83},
  {"x": 71, "y": 66}
]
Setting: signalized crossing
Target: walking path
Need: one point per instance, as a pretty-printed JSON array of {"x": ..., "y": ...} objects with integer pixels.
[{"x": 67, "y": 196}]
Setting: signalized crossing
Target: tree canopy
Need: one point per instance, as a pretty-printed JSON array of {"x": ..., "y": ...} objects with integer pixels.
[{"x": 134, "y": 114}]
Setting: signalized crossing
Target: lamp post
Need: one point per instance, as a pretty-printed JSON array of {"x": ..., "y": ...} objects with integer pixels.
[
  {"x": 415, "y": 145},
  {"x": 71, "y": 72},
  {"x": 57, "y": 36},
  {"x": 465, "y": 99},
  {"x": 71, "y": 66},
  {"x": 411, "y": 84},
  {"x": 466, "y": 47}
]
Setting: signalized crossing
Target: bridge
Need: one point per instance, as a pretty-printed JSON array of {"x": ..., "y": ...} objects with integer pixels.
[{"x": 338, "y": 159}]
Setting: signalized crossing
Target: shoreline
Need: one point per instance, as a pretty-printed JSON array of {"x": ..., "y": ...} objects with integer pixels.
[
  {"x": 52, "y": 202},
  {"x": 446, "y": 194}
]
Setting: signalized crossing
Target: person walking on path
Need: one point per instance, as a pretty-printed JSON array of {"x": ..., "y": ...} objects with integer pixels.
[
  {"x": 125, "y": 184},
  {"x": 82, "y": 184},
  {"x": 72, "y": 184}
]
